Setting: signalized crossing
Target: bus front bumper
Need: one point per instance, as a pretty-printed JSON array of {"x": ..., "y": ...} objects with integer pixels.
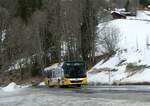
[{"x": 75, "y": 81}]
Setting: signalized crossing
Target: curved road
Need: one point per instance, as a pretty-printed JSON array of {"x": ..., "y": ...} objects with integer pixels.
[{"x": 88, "y": 96}]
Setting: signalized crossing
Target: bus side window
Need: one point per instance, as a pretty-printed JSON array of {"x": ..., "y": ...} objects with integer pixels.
[
  {"x": 50, "y": 74},
  {"x": 56, "y": 73},
  {"x": 45, "y": 74},
  {"x": 59, "y": 72},
  {"x": 53, "y": 74},
  {"x": 62, "y": 72}
]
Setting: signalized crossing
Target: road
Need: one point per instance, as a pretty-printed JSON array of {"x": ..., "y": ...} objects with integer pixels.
[{"x": 88, "y": 96}]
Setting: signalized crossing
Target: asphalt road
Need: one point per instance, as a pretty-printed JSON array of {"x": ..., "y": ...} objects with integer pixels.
[{"x": 87, "y": 96}]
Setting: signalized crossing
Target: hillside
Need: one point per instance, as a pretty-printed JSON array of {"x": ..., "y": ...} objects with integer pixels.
[{"x": 131, "y": 63}]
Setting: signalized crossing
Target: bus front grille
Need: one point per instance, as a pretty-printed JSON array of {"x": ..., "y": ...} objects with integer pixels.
[{"x": 79, "y": 81}]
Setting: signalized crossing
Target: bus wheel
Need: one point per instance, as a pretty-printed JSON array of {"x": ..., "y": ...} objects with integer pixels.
[
  {"x": 78, "y": 85},
  {"x": 51, "y": 86},
  {"x": 63, "y": 86}
]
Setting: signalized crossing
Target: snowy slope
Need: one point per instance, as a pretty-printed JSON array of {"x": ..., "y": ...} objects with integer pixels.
[{"x": 131, "y": 62}]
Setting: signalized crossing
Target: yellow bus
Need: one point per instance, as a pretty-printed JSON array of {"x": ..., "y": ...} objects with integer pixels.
[{"x": 68, "y": 73}]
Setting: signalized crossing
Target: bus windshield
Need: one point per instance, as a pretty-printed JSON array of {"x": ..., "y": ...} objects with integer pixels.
[{"x": 74, "y": 70}]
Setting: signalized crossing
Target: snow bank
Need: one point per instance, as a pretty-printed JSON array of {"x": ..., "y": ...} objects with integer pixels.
[
  {"x": 13, "y": 87},
  {"x": 42, "y": 84},
  {"x": 133, "y": 48}
]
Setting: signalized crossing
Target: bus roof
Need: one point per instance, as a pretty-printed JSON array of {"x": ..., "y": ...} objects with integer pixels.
[
  {"x": 56, "y": 65},
  {"x": 51, "y": 67}
]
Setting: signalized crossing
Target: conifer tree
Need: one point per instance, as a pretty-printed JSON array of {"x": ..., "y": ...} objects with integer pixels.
[{"x": 145, "y": 2}]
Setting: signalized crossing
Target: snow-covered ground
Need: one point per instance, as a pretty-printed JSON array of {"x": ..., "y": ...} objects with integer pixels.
[
  {"x": 131, "y": 62},
  {"x": 54, "y": 100},
  {"x": 69, "y": 97}
]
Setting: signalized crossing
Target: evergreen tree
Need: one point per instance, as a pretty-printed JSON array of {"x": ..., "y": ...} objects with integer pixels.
[{"x": 145, "y": 2}]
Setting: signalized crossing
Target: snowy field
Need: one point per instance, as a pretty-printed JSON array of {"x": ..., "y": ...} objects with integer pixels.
[{"x": 131, "y": 63}]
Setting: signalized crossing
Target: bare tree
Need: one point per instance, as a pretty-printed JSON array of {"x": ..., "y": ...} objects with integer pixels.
[
  {"x": 4, "y": 16},
  {"x": 38, "y": 25},
  {"x": 53, "y": 36},
  {"x": 71, "y": 20},
  {"x": 92, "y": 13},
  {"x": 108, "y": 39},
  {"x": 18, "y": 44},
  {"x": 24, "y": 42},
  {"x": 4, "y": 22},
  {"x": 10, "y": 5}
]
